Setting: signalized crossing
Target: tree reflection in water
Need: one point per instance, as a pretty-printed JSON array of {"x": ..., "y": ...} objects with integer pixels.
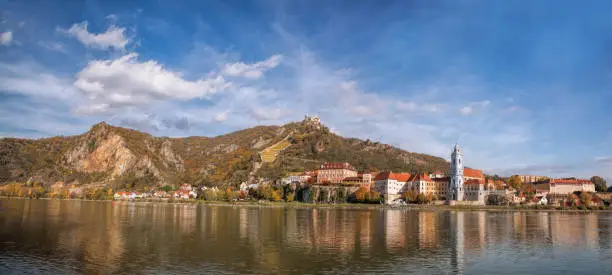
[{"x": 77, "y": 236}]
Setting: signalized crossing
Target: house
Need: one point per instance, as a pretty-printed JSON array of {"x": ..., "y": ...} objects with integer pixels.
[
  {"x": 363, "y": 180},
  {"x": 531, "y": 178},
  {"x": 436, "y": 175},
  {"x": 160, "y": 194},
  {"x": 565, "y": 186},
  {"x": 244, "y": 186},
  {"x": 518, "y": 198},
  {"x": 335, "y": 172},
  {"x": 540, "y": 200},
  {"x": 124, "y": 195},
  {"x": 300, "y": 177},
  {"x": 474, "y": 190},
  {"x": 391, "y": 185},
  {"x": 253, "y": 186},
  {"x": 542, "y": 190},
  {"x": 473, "y": 174},
  {"x": 184, "y": 194},
  {"x": 424, "y": 184},
  {"x": 186, "y": 187}
]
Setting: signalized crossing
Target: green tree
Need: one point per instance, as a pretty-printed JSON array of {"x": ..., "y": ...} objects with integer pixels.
[
  {"x": 167, "y": 188},
  {"x": 600, "y": 184}
]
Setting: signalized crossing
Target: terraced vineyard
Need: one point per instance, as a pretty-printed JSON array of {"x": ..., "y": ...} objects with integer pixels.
[{"x": 269, "y": 154}]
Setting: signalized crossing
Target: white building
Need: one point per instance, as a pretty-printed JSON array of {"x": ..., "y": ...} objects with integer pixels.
[
  {"x": 456, "y": 191},
  {"x": 463, "y": 184},
  {"x": 391, "y": 185}
]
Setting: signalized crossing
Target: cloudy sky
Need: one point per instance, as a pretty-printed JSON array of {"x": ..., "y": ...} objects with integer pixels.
[{"x": 523, "y": 86}]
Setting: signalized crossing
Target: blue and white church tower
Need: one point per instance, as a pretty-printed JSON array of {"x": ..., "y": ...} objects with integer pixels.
[{"x": 455, "y": 190}]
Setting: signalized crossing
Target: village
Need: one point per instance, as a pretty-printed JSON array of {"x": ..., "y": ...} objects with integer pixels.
[{"x": 341, "y": 182}]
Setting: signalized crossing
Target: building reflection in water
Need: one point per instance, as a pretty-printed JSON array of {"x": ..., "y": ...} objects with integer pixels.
[{"x": 120, "y": 235}]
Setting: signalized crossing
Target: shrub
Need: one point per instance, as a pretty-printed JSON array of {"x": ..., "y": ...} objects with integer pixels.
[
  {"x": 290, "y": 197},
  {"x": 276, "y": 196}
]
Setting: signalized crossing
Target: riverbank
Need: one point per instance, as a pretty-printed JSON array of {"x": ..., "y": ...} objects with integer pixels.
[{"x": 357, "y": 206}]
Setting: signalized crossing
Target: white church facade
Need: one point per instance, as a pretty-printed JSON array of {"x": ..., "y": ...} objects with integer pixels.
[{"x": 461, "y": 186}]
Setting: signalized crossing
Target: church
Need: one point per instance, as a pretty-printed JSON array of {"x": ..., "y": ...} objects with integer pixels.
[
  {"x": 461, "y": 186},
  {"x": 464, "y": 185}
]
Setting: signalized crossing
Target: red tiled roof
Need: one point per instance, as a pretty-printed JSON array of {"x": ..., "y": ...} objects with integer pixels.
[
  {"x": 423, "y": 177},
  {"x": 568, "y": 181},
  {"x": 474, "y": 181},
  {"x": 402, "y": 177},
  {"x": 337, "y": 165},
  {"x": 382, "y": 176},
  {"x": 473, "y": 173},
  {"x": 353, "y": 178}
]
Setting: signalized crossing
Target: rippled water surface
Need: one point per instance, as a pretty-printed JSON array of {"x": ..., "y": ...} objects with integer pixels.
[{"x": 64, "y": 237}]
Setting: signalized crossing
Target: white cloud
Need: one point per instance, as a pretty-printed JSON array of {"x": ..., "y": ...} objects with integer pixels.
[
  {"x": 263, "y": 114},
  {"x": 113, "y": 37},
  {"x": 467, "y": 110},
  {"x": 349, "y": 85},
  {"x": 53, "y": 46},
  {"x": 32, "y": 80},
  {"x": 220, "y": 117},
  {"x": 252, "y": 71},
  {"x": 127, "y": 81},
  {"x": 6, "y": 38},
  {"x": 362, "y": 110},
  {"x": 483, "y": 104},
  {"x": 406, "y": 106},
  {"x": 112, "y": 17}
]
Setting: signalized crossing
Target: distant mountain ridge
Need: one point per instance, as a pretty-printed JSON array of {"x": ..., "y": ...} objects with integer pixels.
[{"x": 125, "y": 158}]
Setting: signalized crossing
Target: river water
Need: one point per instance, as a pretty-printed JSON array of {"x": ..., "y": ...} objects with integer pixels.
[{"x": 67, "y": 237}]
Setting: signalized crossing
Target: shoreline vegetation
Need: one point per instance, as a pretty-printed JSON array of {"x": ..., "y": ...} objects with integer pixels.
[{"x": 348, "y": 206}]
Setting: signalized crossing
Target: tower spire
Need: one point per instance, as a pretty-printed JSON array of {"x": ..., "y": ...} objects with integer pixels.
[{"x": 455, "y": 189}]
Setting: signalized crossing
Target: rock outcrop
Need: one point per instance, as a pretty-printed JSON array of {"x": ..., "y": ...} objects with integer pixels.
[{"x": 108, "y": 154}]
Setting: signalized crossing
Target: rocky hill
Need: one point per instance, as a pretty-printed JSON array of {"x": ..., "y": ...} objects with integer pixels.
[{"x": 125, "y": 158}]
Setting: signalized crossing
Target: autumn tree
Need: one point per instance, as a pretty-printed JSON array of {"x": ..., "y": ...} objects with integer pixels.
[
  {"x": 586, "y": 198},
  {"x": 600, "y": 184},
  {"x": 360, "y": 194},
  {"x": 411, "y": 196},
  {"x": 276, "y": 196},
  {"x": 290, "y": 197},
  {"x": 515, "y": 181},
  {"x": 375, "y": 197},
  {"x": 231, "y": 195},
  {"x": 528, "y": 190}
]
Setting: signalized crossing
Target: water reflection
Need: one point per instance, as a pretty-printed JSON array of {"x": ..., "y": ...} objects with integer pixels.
[{"x": 92, "y": 237}]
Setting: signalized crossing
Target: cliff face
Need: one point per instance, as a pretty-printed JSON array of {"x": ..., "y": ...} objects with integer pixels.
[{"x": 109, "y": 155}]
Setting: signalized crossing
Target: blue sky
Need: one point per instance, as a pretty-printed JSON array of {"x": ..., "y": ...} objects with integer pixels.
[{"x": 524, "y": 86}]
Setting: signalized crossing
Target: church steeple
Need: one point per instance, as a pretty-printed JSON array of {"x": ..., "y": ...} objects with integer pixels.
[{"x": 455, "y": 189}]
